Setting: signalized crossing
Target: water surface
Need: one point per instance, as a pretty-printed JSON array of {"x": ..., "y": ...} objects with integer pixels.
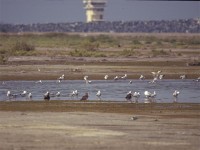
[{"x": 111, "y": 90}]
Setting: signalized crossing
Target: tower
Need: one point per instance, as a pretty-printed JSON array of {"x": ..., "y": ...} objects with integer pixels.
[{"x": 94, "y": 9}]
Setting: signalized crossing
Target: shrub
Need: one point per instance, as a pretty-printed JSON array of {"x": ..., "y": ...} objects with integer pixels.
[
  {"x": 159, "y": 52},
  {"x": 3, "y": 59},
  {"x": 22, "y": 46}
]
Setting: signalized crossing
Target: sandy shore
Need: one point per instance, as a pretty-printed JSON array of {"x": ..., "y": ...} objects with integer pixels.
[{"x": 92, "y": 125}]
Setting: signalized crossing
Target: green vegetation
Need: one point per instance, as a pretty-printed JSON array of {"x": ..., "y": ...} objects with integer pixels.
[{"x": 93, "y": 45}]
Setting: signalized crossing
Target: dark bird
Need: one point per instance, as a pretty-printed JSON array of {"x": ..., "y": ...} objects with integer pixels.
[
  {"x": 85, "y": 97},
  {"x": 129, "y": 96},
  {"x": 47, "y": 96}
]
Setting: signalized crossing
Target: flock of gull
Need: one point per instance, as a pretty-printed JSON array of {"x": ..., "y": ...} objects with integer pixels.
[{"x": 130, "y": 96}]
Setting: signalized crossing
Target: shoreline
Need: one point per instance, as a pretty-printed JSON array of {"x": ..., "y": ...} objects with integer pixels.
[{"x": 100, "y": 106}]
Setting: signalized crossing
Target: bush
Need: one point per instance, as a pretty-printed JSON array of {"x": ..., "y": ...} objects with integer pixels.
[
  {"x": 159, "y": 52},
  {"x": 3, "y": 59},
  {"x": 22, "y": 46}
]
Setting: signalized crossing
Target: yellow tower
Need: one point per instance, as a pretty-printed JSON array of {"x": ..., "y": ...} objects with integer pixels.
[{"x": 94, "y": 9}]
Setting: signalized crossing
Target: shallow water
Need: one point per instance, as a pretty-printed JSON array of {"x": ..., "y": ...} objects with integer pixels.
[{"x": 111, "y": 90}]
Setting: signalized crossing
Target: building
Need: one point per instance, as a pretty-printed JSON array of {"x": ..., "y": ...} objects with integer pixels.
[{"x": 94, "y": 10}]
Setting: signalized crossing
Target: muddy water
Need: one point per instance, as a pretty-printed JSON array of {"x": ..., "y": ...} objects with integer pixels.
[{"x": 110, "y": 89}]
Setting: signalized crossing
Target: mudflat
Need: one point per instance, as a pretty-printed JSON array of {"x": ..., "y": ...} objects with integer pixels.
[{"x": 99, "y": 125}]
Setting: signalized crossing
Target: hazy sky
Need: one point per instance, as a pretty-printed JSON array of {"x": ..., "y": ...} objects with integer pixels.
[{"x": 54, "y": 11}]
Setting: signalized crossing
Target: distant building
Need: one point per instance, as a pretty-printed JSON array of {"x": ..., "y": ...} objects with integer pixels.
[{"x": 94, "y": 10}]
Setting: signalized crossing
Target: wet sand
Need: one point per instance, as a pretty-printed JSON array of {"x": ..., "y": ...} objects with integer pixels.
[{"x": 99, "y": 125}]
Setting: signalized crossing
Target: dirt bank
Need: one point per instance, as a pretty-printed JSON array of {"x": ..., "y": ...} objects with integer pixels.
[{"x": 89, "y": 125}]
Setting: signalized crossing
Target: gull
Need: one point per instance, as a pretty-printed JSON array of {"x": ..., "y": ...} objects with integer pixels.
[
  {"x": 40, "y": 81},
  {"x": 134, "y": 118},
  {"x": 24, "y": 93},
  {"x": 183, "y": 76},
  {"x": 30, "y": 96},
  {"x": 161, "y": 76},
  {"x": 47, "y": 96},
  {"x": 61, "y": 78},
  {"x": 124, "y": 77},
  {"x": 175, "y": 94},
  {"x": 58, "y": 94},
  {"x": 154, "y": 80},
  {"x": 147, "y": 94},
  {"x": 156, "y": 74},
  {"x": 74, "y": 93},
  {"x": 85, "y": 97},
  {"x": 116, "y": 78},
  {"x": 136, "y": 95},
  {"x": 150, "y": 96},
  {"x": 86, "y": 80},
  {"x": 99, "y": 94},
  {"x": 153, "y": 95},
  {"x": 130, "y": 82},
  {"x": 141, "y": 77},
  {"x": 106, "y": 77},
  {"x": 9, "y": 95},
  {"x": 129, "y": 96}
]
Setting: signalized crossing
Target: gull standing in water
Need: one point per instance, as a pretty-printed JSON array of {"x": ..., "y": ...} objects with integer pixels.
[
  {"x": 30, "y": 96},
  {"x": 150, "y": 96},
  {"x": 40, "y": 81},
  {"x": 9, "y": 95},
  {"x": 74, "y": 93},
  {"x": 24, "y": 93},
  {"x": 58, "y": 94},
  {"x": 99, "y": 94},
  {"x": 175, "y": 95},
  {"x": 136, "y": 95},
  {"x": 147, "y": 94},
  {"x": 86, "y": 80}
]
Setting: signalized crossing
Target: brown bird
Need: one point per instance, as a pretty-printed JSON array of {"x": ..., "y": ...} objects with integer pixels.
[{"x": 85, "y": 97}]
